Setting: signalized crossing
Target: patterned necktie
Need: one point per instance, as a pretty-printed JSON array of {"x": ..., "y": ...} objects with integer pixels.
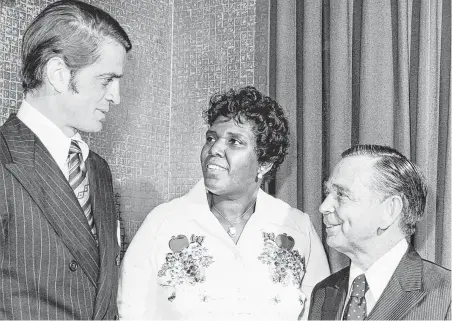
[
  {"x": 78, "y": 179},
  {"x": 356, "y": 307}
]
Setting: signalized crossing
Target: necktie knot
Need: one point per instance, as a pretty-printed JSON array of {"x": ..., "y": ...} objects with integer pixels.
[
  {"x": 359, "y": 286},
  {"x": 75, "y": 162},
  {"x": 74, "y": 148}
]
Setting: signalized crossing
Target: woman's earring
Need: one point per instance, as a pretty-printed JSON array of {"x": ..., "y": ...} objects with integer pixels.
[{"x": 259, "y": 175}]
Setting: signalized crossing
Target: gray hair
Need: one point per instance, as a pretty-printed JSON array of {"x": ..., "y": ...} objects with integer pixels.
[{"x": 396, "y": 175}]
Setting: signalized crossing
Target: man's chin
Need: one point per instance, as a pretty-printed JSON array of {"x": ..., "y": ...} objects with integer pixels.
[
  {"x": 95, "y": 128},
  {"x": 333, "y": 242}
]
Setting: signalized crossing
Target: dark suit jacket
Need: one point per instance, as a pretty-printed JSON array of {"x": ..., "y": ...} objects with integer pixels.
[
  {"x": 50, "y": 265},
  {"x": 418, "y": 290}
]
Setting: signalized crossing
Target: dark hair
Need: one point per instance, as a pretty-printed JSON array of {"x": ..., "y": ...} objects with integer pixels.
[
  {"x": 70, "y": 29},
  {"x": 266, "y": 116},
  {"x": 396, "y": 175}
]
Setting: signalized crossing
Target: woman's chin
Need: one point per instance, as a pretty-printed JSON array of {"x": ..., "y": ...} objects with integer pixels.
[{"x": 212, "y": 185}]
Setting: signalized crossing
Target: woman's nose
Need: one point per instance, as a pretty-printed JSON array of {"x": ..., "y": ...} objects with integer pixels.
[{"x": 217, "y": 148}]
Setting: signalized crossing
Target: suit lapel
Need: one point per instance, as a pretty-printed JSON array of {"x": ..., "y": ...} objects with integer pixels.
[
  {"x": 403, "y": 291},
  {"x": 103, "y": 221},
  {"x": 35, "y": 169},
  {"x": 335, "y": 297}
]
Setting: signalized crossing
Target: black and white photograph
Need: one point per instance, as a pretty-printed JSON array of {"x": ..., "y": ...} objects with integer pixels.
[{"x": 225, "y": 159}]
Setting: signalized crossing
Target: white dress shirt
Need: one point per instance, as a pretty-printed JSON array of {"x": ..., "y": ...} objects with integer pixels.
[
  {"x": 238, "y": 285},
  {"x": 52, "y": 137},
  {"x": 378, "y": 274}
]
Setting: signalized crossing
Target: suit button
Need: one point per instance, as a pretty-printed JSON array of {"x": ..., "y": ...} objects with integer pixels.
[
  {"x": 116, "y": 317},
  {"x": 118, "y": 259},
  {"x": 73, "y": 265}
]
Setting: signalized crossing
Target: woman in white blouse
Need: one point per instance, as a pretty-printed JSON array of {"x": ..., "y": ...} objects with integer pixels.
[{"x": 227, "y": 249}]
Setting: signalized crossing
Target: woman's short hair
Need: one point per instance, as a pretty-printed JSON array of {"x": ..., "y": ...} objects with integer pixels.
[
  {"x": 396, "y": 175},
  {"x": 70, "y": 29},
  {"x": 265, "y": 115}
]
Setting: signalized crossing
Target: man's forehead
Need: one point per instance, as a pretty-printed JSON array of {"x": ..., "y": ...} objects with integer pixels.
[
  {"x": 111, "y": 59},
  {"x": 353, "y": 170}
]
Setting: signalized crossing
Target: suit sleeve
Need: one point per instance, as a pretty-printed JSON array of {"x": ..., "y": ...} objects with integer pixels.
[
  {"x": 4, "y": 213},
  {"x": 3, "y": 196},
  {"x": 317, "y": 299}
]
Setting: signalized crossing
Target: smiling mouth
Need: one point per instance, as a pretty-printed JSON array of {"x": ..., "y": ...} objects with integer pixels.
[
  {"x": 329, "y": 226},
  {"x": 214, "y": 167}
]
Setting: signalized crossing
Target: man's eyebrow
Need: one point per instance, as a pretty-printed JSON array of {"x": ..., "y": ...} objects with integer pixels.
[
  {"x": 341, "y": 188},
  {"x": 110, "y": 75},
  {"x": 328, "y": 187}
]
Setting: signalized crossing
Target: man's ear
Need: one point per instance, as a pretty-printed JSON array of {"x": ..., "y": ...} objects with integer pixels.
[
  {"x": 265, "y": 167},
  {"x": 393, "y": 207},
  {"x": 58, "y": 74}
]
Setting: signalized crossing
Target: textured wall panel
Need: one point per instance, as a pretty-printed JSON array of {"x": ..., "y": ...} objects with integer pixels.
[{"x": 217, "y": 45}]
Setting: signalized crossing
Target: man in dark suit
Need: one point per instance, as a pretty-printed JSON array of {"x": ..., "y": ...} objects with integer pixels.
[
  {"x": 375, "y": 196},
  {"x": 59, "y": 253}
]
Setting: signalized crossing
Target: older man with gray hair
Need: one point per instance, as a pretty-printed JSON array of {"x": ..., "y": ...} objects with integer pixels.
[{"x": 374, "y": 198}]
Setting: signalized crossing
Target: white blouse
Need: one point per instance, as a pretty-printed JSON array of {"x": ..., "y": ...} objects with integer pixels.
[{"x": 182, "y": 264}]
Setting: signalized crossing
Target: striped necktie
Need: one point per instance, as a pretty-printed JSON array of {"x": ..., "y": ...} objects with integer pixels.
[
  {"x": 78, "y": 179},
  {"x": 356, "y": 307}
]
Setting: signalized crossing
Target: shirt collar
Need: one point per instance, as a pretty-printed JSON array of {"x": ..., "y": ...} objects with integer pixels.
[
  {"x": 198, "y": 195},
  {"x": 379, "y": 273},
  {"x": 56, "y": 142}
]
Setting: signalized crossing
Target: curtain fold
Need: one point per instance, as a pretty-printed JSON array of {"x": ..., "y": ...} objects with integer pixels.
[{"x": 363, "y": 71}]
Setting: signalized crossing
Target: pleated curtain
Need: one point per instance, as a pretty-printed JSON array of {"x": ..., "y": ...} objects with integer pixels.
[{"x": 367, "y": 72}]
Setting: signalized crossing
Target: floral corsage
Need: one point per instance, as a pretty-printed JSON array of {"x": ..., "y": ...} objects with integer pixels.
[
  {"x": 284, "y": 263},
  {"x": 186, "y": 264},
  {"x": 286, "y": 266}
]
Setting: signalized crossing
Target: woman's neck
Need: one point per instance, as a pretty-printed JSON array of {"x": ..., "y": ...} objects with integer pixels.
[{"x": 232, "y": 209}]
